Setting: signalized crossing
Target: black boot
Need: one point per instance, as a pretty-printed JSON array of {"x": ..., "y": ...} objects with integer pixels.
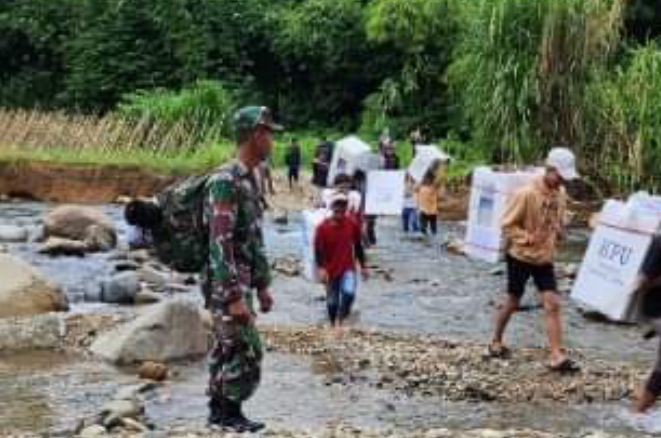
[
  {"x": 251, "y": 426},
  {"x": 217, "y": 412},
  {"x": 227, "y": 415}
]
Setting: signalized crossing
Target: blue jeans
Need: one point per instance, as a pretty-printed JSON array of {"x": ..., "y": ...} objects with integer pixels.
[
  {"x": 410, "y": 220},
  {"x": 340, "y": 295}
]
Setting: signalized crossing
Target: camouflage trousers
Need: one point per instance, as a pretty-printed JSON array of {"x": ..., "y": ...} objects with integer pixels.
[{"x": 234, "y": 361}]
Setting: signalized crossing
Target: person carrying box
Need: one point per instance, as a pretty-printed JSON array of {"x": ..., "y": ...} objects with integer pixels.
[{"x": 533, "y": 224}]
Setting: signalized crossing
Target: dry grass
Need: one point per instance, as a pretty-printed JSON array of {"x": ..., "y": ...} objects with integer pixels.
[
  {"x": 35, "y": 130},
  {"x": 109, "y": 140}
]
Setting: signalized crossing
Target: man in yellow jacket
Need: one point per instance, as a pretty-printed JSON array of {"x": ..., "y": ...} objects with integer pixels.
[{"x": 533, "y": 224}]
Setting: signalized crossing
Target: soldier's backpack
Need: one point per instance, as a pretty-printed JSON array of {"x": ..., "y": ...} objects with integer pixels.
[{"x": 181, "y": 239}]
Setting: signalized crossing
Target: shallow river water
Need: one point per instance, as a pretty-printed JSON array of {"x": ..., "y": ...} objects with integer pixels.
[{"x": 432, "y": 292}]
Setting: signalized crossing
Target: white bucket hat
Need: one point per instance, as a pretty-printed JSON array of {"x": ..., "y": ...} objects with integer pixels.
[{"x": 564, "y": 161}]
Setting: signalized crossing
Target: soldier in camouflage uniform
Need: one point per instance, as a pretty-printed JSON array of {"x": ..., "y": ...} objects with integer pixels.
[{"x": 237, "y": 268}]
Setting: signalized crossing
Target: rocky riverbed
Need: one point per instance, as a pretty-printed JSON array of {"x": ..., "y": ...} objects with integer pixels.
[
  {"x": 412, "y": 363},
  {"x": 454, "y": 371}
]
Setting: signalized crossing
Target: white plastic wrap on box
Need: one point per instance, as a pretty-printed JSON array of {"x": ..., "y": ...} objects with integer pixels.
[
  {"x": 610, "y": 270},
  {"x": 348, "y": 156},
  {"x": 311, "y": 220},
  {"x": 490, "y": 193},
  {"x": 385, "y": 192},
  {"x": 425, "y": 156}
]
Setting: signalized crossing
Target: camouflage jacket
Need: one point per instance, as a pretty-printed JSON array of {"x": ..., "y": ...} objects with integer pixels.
[{"x": 233, "y": 213}]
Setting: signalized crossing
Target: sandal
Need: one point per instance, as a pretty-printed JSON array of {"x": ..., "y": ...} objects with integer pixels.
[
  {"x": 565, "y": 366},
  {"x": 501, "y": 352}
]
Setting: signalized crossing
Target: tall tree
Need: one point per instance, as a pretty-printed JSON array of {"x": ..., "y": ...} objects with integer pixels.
[
  {"x": 33, "y": 34},
  {"x": 126, "y": 45}
]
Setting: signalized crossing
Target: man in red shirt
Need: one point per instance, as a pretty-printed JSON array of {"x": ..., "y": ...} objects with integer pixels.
[{"x": 338, "y": 247}]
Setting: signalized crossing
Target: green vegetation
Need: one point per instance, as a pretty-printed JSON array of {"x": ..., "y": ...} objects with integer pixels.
[{"x": 155, "y": 83}]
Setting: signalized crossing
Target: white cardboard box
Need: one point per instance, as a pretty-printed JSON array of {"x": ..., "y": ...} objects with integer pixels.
[
  {"x": 311, "y": 221},
  {"x": 609, "y": 273},
  {"x": 347, "y": 157},
  {"x": 425, "y": 156},
  {"x": 490, "y": 192},
  {"x": 385, "y": 192}
]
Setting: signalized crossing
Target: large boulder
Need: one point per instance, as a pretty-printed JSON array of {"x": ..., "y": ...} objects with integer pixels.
[
  {"x": 23, "y": 290},
  {"x": 167, "y": 331},
  {"x": 85, "y": 224}
]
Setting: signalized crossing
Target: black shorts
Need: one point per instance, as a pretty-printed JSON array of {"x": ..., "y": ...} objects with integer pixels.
[{"x": 519, "y": 272}]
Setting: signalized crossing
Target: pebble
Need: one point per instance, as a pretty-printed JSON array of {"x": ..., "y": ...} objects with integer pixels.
[
  {"x": 140, "y": 256},
  {"x": 93, "y": 431},
  {"x": 130, "y": 424},
  {"x": 153, "y": 276},
  {"x": 121, "y": 288},
  {"x": 56, "y": 246},
  {"x": 497, "y": 272},
  {"x": 288, "y": 266},
  {"x": 174, "y": 288},
  {"x": 127, "y": 266},
  {"x": 122, "y": 408},
  {"x": 153, "y": 371},
  {"x": 12, "y": 233},
  {"x": 145, "y": 296},
  {"x": 281, "y": 217},
  {"x": 132, "y": 392},
  {"x": 456, "y": 247}
]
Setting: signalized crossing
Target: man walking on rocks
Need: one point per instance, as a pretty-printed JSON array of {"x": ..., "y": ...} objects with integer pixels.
[
  {"x": 237, "y": 267},
  {"x": 532, "y": 224},
  {"x": 339, "y": 252}
]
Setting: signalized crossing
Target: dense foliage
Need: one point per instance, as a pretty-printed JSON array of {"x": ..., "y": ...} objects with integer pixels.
[{"x": 505, "y": 78}]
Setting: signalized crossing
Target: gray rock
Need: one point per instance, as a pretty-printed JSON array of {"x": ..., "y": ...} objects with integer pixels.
[
  {"x": 153, "y": 276},
  {"x": 122, "y": 408},
  {"x": 168, "y": 331},
  {"x": 281, "y": 217},
  {"x": 173, "y": 288},
  {"x": 565, "y": 285},
  {"x": 139, "y": 256},
  {"x": 127, "y": 266},
  {"x": 99, "y": 239},
  {"x": 489, "y": 433},
  {"x": 121, "y": 288},
  {"x": 83, "y": 224},
  {"x": 12, "y": 233},
  {"x": 93, "y": 431},
  {"x": 119, "y": 256},
  {"x": 146, "y": 296},
  {"x": 57, "y": 246},
  {"x": 568, "y": 270},
  {"x": 497, "y": 272},
  {"x": 93, "y": 294},
  {"x": 438, "y": 433},
  {"x": 32, "y": 332},
  {"x": 132, "y": 425},
  {"x": 24, "y": 291},
  {"x": 133, "y": 392}
]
